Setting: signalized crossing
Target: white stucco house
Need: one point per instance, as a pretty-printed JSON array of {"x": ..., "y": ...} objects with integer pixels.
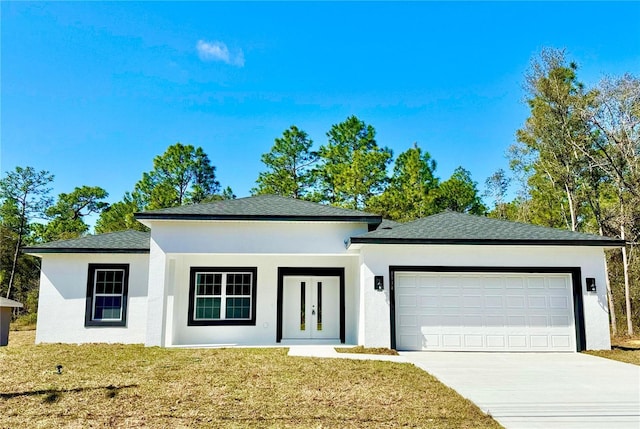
[{"x": 269, "y": 270}]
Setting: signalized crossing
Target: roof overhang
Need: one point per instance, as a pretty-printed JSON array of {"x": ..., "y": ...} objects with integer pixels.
[
  {"x": 374, "y": 220},
  {"x": 35, "y": 251},
  {"x": 485, "y": 242}
]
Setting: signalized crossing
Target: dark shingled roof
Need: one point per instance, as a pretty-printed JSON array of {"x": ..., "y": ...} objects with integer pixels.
[
  {"x": 263, "y": 208},
  {"x": 458, "y": 228},
  {"x": 114, "y": 242}
]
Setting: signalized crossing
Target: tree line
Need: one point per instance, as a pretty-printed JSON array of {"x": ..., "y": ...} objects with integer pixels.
[{"x": 575, "y": 165}]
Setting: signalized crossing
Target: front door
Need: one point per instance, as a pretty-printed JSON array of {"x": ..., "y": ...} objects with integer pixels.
[{"x": 311, "y": 307}]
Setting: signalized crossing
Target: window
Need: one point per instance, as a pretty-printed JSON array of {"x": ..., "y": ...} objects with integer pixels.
[
  {"x": 222, "y": 296},
  {"x": 107, "y": 287}
]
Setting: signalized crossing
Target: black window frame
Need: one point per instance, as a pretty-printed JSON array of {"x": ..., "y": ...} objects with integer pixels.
[
  {"x": 90, "y": 298},
  {"x": 192, "y": 321}
]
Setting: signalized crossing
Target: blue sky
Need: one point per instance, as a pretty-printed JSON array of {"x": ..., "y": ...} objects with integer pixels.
[{"x": 93, "y": 91}]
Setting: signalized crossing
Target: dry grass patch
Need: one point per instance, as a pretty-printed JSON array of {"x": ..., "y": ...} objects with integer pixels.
[
  {"x": 625, "y": 342},
  {"x": 628, "y": 356},
  {"x": 367, "y": 350},
  {"x": 132, "y": 386},
  {"x": 20, "y": 338},
  {"x": 623, "y": 349}
]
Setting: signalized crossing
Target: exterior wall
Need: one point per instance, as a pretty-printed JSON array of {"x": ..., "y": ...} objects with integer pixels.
[
  {"x": 375, "y": 329},
  {"x": 264, "y": 331},
  {"x": 62, "y": 300},
  {"x": 178, "y": 245},
  {"x": 233, "y": 237}
]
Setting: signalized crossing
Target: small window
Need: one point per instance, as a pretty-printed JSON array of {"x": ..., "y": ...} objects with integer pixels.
[
  {"x": 107, "y": 287},
  {"x": 222, "y": 296}
]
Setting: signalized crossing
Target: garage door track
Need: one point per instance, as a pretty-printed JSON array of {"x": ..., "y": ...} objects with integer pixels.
[{"x": 541, "y": 390}]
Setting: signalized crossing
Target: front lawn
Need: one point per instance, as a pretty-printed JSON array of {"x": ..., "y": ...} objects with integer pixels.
[
  {"x": 628, "y": 356},
  {"x": 624, "y": 349},
  {"x": 133, "y": 386}
]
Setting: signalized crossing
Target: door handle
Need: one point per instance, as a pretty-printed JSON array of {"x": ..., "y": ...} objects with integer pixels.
[{"x": 313, "y": 310}]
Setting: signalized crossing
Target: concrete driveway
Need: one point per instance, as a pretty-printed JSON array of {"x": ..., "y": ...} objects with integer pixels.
[{"x": 541, "y": 390}]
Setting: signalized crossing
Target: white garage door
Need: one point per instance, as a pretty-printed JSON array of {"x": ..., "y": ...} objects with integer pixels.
[{"x": 484, "y": 311}]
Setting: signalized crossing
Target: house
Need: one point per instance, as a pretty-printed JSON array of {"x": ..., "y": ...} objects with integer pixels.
[{"x": 270, "y": 270}]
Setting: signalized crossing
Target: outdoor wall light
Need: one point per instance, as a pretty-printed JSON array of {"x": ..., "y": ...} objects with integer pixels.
[
  {"x": 378, "y": 283},
  {"x": 591, "y": 284}
]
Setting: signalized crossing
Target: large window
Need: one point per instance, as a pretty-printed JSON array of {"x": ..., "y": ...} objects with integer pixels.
[
  {"x": 222, "y": 296},
  {"x": 107, "y": 287}
]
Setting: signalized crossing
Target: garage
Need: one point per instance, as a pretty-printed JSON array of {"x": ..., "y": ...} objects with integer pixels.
[{"x": 487, "y": 309}]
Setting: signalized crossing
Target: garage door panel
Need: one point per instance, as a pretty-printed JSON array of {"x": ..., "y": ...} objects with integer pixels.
[
  {"x": 473, "y": 341},
  {"x": 539, "y": 341},
  {"x": 450, "y": 301},
  {"x": 557, "y": 283},
  {"x": 492, "y": 282},
  {"x": 560, "y": 341},
  {"x": 537, "y": 301},
  {"x": 494, "y": 301},
  {"x": 514, "y": 283},
  {"x": 480, "y": 311},
  {"x": 471, "y": 321},
  {"x": 472, "y": 301},
  {"x": 515, "y": 301},
  {"x": 561, "y": 321},
  {"x": 517, "y": 341},
  {"x": 536, "y": 283},
  {"x": 495, "y": 342},
  {"x": 558, "y": 302},
  {"x": 516, "y": 321},
  {"x": 406, "y": 300},
  {"x": 453, "y": 341},
  {"x": 430, "y": 320},
  {"x": 539, "y": 321},
  {"x": 408, "y": 321},
  {"x": 429, "y": 301}
]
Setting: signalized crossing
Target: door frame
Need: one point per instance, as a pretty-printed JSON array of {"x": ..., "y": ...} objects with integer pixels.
[
  {"x": 311, "y": 272},
  {"x": 576, "y": 281}
]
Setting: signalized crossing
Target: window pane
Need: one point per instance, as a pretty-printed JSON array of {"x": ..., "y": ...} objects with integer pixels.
[
  {"x": 207, "y": 308},
  {"x": 238, "y": 308},
  {"x": 100, "y": 286},
  {"x": 100, "y": 276},
  {"x": 107, "y": 307},
  {"x": 239, "y": 284},
  {"x": 303, "y": 311},
  {"x": 108, "y": 282},
  {"x": 208, "y": 283},
  {"x": 319, "y": 321},
  {"x": 118, "y": 280}
]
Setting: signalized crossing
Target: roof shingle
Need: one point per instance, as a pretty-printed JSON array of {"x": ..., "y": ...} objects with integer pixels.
[
  {"x": 262, "y": 207},
  {"x": 459, "y": 228},
  {"x": 129, "y": 241}
]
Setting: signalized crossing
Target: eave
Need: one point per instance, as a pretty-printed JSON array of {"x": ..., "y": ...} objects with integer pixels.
[
  {"x": 41, "y": 250},
  {"x": 372, "y": 220},
  {"x": 485, "y": 242}
]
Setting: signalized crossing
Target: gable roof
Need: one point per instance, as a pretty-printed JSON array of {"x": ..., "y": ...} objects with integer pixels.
[
  {"x": 129, "y": 241},
  {"x": 262, "y": 208},
  {"x": 458, "y": 228}
]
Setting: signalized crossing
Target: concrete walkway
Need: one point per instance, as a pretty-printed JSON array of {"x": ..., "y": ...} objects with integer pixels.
[
  {"x": 541, "y": 390},
  {"x": 529, "y": 390},
  {"x": 330, "y": 352}
]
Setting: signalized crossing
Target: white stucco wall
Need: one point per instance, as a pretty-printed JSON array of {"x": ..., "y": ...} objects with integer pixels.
[
  {"x": 264, "y": 331},
  {"x": 375, "y": 325},
  {"x": 178, "y": 245},
  {"x": 247, "y": 237},
  {"x": 63, "y": 291}
]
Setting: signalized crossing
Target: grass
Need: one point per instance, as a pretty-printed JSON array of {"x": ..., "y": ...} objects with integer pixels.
[
  {"x": 105, "y": 385},
  {"x": 623, "y": 349},
  {"x": 367, "y": 350}
]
